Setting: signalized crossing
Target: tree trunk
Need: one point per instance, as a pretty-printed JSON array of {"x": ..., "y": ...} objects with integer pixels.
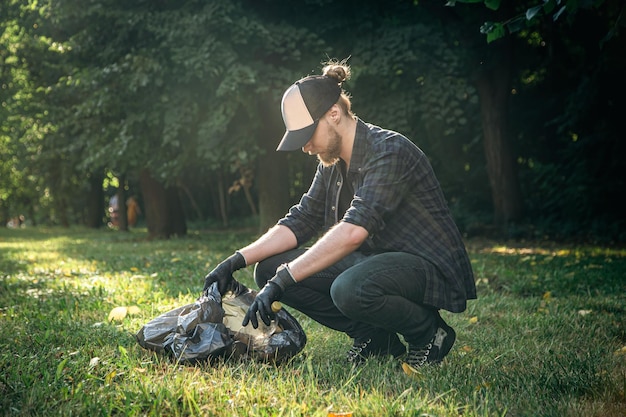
[
  {"x": 222, "y": 199},
  {"x": 192, "y": 200},
  {"x": 272, "y": 175},
  {"x": 94, "y": 207},
  {"x": 494, "y": 86},
  {"x": 122, "y": 219},
  {"x": 162, "y": 208},
  {"x": 250, "y": 200},
  {"x": 176, "y": 214}
]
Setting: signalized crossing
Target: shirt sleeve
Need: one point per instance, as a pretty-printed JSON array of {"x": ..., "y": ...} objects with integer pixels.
[{"x": 387, "y": 177}]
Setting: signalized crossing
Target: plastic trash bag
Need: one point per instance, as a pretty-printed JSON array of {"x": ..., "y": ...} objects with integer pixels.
[{"x": 211, "y": 327}]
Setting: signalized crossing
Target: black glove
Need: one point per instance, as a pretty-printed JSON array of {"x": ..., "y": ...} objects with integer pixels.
[
  {"x": 223, "y": 273},
  {"x": 272, "y": 291},
  {"x": 263, "y": 304}
]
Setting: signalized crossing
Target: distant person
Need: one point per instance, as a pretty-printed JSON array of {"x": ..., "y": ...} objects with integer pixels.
[
  {"x": 16, "y": 222},
  {"x": 132, "y": 211},
  {"x": 390, "y": 256},
  {"x": 114, "y": 213}
]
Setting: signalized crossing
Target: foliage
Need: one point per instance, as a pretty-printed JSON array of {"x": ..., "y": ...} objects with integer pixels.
[
  {"x": 545, "y": 337},
  {"x": 178, "y": 88},
  {"x": 567, "y": 148},
  {"x": 167, "y": 87},
  {"x": 161, "y": 85},
  {"x": 20, "y": 182},
  {"x": 429, "y": 95},
  {"x": 533, "y": 12}
]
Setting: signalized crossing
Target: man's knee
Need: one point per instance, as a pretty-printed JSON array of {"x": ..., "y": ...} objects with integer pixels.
[
  {"x": 346, "y": 297},
  {"x": 264, "y": 271}
]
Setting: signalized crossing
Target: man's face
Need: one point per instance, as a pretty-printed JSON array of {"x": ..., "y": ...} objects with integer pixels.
[{"x": 325, "y": 143}]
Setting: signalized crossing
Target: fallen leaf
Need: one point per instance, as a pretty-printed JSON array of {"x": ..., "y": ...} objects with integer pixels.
[
  {"x": 94, "y": 362},
  {"x": 133, "y": 310},
  {"x": 109, "y": 377},
  {"x": 411, "y": 371},
  {"x": 118, "y": 313}
]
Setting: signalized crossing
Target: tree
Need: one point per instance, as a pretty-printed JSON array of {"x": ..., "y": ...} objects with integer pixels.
[
  {"x": 567, "y": 83},
  {"x": 184, "y": 98},
  {"x": 34, "y": 169},
  {"x": 174, "y": 88}
]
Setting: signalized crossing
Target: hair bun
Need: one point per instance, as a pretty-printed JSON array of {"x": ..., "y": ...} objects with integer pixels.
[{"x": 337, "y": 70}]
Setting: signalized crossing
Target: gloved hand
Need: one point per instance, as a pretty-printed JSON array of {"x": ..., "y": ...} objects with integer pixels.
[
  {"x": 223, "y": 273},
  {"x": 263, "y": 305},
  {"x": 272, "y": 291}
]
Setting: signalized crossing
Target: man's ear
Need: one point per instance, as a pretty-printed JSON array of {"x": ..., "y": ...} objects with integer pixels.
[{"x": 334, "y": 113}]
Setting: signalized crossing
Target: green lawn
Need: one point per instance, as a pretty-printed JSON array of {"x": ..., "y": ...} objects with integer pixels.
[{"x": 547, "y": 336}]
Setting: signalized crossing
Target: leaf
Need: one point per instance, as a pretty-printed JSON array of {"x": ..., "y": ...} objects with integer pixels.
[
  {"x": 492, "y": 4},
  {"x": 517, "y": 24},
  {"x": 118, "y": 313},
  {"x": 557, "y": 14},
  {"x": 532, "y": 12},
  {"x": 60, "y": 368},
  {"x": 132, "y": 310},
  {"x": 95, "y": 361},
  {"x": 487, "y": 27},
  {"x": 497, "y": 32},
  {"x": 109, "y": 377},
  {"x": 548, "y": 6},
  {"x": 123, "y": 351},
  {"x": 411, "y": 371}
]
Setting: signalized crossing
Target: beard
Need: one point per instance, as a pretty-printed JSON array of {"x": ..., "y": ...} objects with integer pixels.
[{"x": 331, "y": 155}]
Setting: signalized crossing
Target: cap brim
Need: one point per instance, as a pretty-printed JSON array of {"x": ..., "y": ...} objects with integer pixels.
[{"x": 296, "y": 139}]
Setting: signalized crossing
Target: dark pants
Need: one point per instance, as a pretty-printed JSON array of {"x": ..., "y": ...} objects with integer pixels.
[{"x": 363, "y": 295}]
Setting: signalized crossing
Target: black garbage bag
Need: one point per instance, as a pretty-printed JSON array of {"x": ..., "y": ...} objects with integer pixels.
[{"x": 211, "y": 327}]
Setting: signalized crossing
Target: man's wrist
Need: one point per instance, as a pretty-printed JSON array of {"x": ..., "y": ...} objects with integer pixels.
[
  {"x": 239, "y": 261},
  {"x": 283, "y": 278}
]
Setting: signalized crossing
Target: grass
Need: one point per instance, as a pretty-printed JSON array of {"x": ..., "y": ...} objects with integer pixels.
[{"x": 546, "y": 337}]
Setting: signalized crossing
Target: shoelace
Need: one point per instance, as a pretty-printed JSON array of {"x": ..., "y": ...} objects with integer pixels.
[
  {"x": 418, "y": 357},
  {"x": 355, "y": 351}
]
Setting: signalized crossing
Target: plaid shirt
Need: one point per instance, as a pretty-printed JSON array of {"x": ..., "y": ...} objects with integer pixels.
[{"x": 399, "y": 201}]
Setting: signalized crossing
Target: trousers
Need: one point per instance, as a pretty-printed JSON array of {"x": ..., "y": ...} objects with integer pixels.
[{"x": 363, "y": 295}]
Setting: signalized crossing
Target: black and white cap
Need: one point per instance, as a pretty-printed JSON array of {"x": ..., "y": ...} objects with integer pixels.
[{"x": 303, "y": 104}]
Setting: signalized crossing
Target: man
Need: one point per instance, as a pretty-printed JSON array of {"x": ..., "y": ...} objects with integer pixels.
[{"x": 390, "y": 256}]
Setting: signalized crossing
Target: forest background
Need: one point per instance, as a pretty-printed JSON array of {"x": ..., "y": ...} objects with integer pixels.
[{"x": 518, "y": 105}]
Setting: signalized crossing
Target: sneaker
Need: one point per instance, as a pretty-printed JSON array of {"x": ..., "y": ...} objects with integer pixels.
[
  {"x": 362, "y": 349},
  {"x": 431, "y": 354}
]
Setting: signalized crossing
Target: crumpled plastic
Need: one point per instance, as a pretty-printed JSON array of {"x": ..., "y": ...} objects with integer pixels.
[{"x": 211, "y": 328}]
